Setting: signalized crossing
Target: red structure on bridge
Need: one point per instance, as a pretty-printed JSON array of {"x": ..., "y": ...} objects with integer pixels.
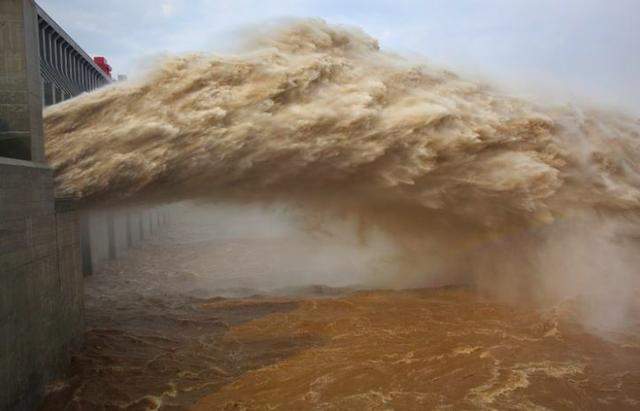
[{"x": 104, "y": 66}]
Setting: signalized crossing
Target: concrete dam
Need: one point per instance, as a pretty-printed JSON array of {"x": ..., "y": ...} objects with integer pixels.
[{"x": 47, "y": 244}]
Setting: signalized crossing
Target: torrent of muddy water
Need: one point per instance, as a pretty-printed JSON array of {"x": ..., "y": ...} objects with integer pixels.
[
  {"x": 214, "y": 315},
  {"x": 533, "y": 209}
]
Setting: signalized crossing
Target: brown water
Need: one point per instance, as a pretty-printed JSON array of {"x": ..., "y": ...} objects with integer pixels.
[
  {"x": 535, "y": 208},
  {"x": 468, "y": 183},
  {"x": 173, "y": 326}
]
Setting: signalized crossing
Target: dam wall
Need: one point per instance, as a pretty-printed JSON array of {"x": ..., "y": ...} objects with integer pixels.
[
  {"x": 109, "y": 234},
  {"x": 41, "y": 283},
  {"x": 46, "y": 244}
]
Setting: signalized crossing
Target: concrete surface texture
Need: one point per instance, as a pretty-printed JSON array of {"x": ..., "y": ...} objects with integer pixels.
[
  {"x": 41, "y": 310},
  {"x": 20, "y": 83},
  {"x": 66, "y": 69},
  {"x": 109, "y": 234},
  {"x": 41, "y": 298}
]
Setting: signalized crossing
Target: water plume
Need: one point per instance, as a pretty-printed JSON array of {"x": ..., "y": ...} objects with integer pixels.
[{"x": 472, "y": 185}]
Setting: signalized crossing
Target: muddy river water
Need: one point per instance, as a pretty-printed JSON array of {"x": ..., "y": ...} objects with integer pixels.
[
  {"x": 195, "y": 321},
  {"x": 473, "y": 186}
]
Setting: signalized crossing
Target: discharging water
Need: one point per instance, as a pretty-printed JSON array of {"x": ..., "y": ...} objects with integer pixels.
[
  {"x": 199, "y": 317},
  {"x": 402, "y": 175},
  {"x": 470, "y": 185}
]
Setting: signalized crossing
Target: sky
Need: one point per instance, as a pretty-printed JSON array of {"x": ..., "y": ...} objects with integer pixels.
[{"x": 565, "y": 51}]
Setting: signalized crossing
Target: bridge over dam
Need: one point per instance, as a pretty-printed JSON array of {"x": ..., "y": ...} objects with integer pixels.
[{"x": 66, "y": 69}]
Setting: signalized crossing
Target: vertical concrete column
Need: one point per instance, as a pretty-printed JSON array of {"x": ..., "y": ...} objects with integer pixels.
[
  {"x": 40, "y": 281},
  {"x": 76, "y": 73},
  {"x": 85, "y": 244},
  {"x": 67, "y": 71},
  {"x": 49, "y": 50},
  {"x": 73, "y": 65},
  {"x": 141, "y": 224},
  {"x": 111, "y": 235},
  {"x": 54, "y": 50},
  {"x": 129, "y": 231},
  {"x": 43, "y": 45},
  {"x": 20, "y": 83}
]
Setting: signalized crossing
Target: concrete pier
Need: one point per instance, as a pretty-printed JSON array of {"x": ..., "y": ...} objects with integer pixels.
[
  {"x": 40, "y": 284},
  {"x": 109, "y": 234},
  {"x": 41, "y": 310},
  {"x": 45, "y": 245},
  {"x": 20, "y": 83}
]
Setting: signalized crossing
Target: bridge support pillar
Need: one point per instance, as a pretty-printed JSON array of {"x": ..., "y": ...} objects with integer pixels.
[
  {"x": 20, "y": 82},
  {"x": 85, "y": 245},
  {"x": 111, "y": 236}
]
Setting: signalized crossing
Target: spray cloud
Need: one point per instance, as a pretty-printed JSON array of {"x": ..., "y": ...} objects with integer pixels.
[{"x": 472, "y": 185}]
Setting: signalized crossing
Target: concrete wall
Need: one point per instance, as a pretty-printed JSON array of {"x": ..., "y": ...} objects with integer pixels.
[
  {"x": 98, "y": 237},
  {"x": 40, "y": 284},
  {"x": 20, "y": 82},
  {"x": 72, "y": 74},
  {"x": 41, "y": 313},
  {"x": 109, "y": 234},
  {"x": 135, "y": 228}
]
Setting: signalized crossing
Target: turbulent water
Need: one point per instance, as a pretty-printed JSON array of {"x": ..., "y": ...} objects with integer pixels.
[
  {"x": 203, "y": 316},
  {"x": 315, "y": 108},
  {"x": 533, "y": 204},
  {"x": 470, "y": 182}
]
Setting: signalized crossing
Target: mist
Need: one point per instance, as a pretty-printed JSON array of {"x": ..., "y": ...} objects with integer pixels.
[
  {"x": 565, "y": 51},
  {"x": 405, "y": 174},
  {"x": 277, "y": 250}
]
